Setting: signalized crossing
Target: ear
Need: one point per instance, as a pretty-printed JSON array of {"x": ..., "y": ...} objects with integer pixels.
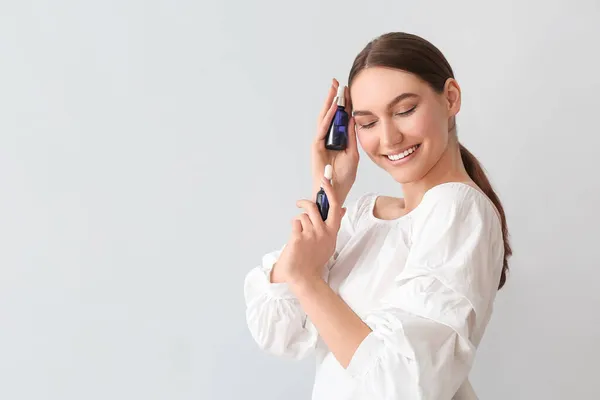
[{"x": 453, "y": 96}]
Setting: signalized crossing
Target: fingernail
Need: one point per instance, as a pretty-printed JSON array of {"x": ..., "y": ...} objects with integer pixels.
[{"x": 328, "y": 173}]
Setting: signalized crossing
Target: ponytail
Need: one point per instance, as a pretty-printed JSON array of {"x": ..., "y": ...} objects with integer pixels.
[{"x": 477, "y": 173}]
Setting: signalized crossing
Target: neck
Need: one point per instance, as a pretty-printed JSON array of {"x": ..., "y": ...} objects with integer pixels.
[{"x": 449, "y": 168}]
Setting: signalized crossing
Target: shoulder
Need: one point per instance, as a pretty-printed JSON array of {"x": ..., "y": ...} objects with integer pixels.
[
  {"x": 456, "y": 195},
  {"x": 456, "y": 204}
]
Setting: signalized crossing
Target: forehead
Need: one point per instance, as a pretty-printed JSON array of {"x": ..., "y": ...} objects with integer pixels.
[{"x": 374, "y": 87}]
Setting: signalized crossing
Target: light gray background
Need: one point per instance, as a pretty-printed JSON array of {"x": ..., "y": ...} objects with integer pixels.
[{"x": 152, "y": 151}]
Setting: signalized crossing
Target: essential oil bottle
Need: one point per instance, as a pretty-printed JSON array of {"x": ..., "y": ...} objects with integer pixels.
[
  {"x": 337, "y": 136},
  {"x": 322, "y": 200}
]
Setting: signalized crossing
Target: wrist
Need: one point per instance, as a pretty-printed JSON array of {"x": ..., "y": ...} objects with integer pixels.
[
  {"x": 281, "y": 273},
  {"x": 276, "y": 275},
  {"x": 302, "y": 285}
]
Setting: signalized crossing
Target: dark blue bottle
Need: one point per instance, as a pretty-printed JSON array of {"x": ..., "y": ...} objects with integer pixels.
[
  {"x": 322, "y": 204},
  {"x": 337, "y": 136},
  {"x": 322, "y": 200}
]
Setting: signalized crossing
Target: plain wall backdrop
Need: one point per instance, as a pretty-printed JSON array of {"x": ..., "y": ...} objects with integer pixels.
[{"x": 152, "y": 151}]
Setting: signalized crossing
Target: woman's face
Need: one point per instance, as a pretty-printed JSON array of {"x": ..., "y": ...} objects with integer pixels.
[{"x": 402, "y": 124}]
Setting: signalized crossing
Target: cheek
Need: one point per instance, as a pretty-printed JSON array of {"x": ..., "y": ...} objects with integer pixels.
[
  {"x": 428, "y": 127},
  {"x": 368, "y": 142}
]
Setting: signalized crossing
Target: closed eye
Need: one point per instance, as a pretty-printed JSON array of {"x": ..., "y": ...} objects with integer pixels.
[
  {"x": 367, "y": 126},
  {"x": 407, "y": 112},
  {"x": 402, "y": 114}
]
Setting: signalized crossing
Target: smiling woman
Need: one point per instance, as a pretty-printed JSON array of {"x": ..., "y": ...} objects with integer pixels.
[
  {"x": 391, "y": 308},
  {"x": 417, "y": 125}
]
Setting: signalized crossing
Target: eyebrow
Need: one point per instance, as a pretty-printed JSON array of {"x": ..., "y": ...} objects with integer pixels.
[{"x": 391, "y": 104}]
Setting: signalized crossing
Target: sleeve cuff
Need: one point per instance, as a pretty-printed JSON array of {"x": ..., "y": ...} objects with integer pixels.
[
  {"x": 280, "y": 290},
  {"x": 365, "y": 356}
]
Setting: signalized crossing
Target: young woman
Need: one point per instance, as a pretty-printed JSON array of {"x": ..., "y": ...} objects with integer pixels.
[{"x": 394, "y": 295}]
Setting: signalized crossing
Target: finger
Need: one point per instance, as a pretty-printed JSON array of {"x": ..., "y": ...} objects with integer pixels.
[
  {"x": 313, "y": 212},
  {"x": 335, "y": 208},
  {"x": 330, "y": 96},
  {"x": 306, "y": 223},
  {"x": 296, "y": 226},
  {"x": 352, "y": 145},
  {"x": 324, "y": 125}
]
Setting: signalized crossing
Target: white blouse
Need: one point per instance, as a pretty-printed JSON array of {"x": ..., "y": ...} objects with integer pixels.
[{"x": 424, "y": 283}]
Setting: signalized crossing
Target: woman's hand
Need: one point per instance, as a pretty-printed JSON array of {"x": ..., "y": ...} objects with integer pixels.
[
  {"x": 312, "y": 242},
  {"x": 344, "y": 162}
]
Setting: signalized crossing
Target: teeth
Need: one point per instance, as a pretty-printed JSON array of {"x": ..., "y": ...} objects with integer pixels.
[{"x": 395, "y": 157}]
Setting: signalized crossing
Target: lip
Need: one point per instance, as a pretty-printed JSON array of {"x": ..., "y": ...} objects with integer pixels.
[{"x": 405, "y": 159}]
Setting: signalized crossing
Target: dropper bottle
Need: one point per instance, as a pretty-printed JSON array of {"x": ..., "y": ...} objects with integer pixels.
[
  {"x": 322, "y": 200},
  {"x": 337, "y": 136}
]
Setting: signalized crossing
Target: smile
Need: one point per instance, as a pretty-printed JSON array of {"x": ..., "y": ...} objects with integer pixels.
[{"x": 402, "y": 155}]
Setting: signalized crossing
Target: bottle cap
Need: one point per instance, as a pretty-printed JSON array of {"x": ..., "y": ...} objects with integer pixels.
[{"x": 341, "y": 96}]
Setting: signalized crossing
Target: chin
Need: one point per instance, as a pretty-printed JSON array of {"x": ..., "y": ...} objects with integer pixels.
[
  {"x": 404, "y": 177},
  {"x": 411, "y": 172}
]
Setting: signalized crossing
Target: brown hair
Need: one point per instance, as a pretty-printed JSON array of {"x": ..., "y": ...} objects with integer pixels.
[{"x": 416, "y": 55}]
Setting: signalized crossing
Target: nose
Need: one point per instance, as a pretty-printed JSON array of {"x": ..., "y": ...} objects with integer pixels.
[{"x": 391, "y": 135}]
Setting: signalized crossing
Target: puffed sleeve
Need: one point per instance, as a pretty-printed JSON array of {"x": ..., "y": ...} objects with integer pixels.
[
  {"x": 273, "y": 314},
  {"x": 426, "y": 330}
]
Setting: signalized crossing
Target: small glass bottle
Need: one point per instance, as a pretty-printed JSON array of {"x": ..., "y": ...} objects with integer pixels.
[
  {"x": 322, "y": 200},
  {"x": 337, "y": 136}
]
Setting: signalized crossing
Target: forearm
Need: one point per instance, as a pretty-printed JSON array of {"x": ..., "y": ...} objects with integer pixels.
[{"x": 341, "y": 329}]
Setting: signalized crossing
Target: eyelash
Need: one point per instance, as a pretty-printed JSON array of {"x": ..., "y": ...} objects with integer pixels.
[{"x": 404, "y": 114}]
